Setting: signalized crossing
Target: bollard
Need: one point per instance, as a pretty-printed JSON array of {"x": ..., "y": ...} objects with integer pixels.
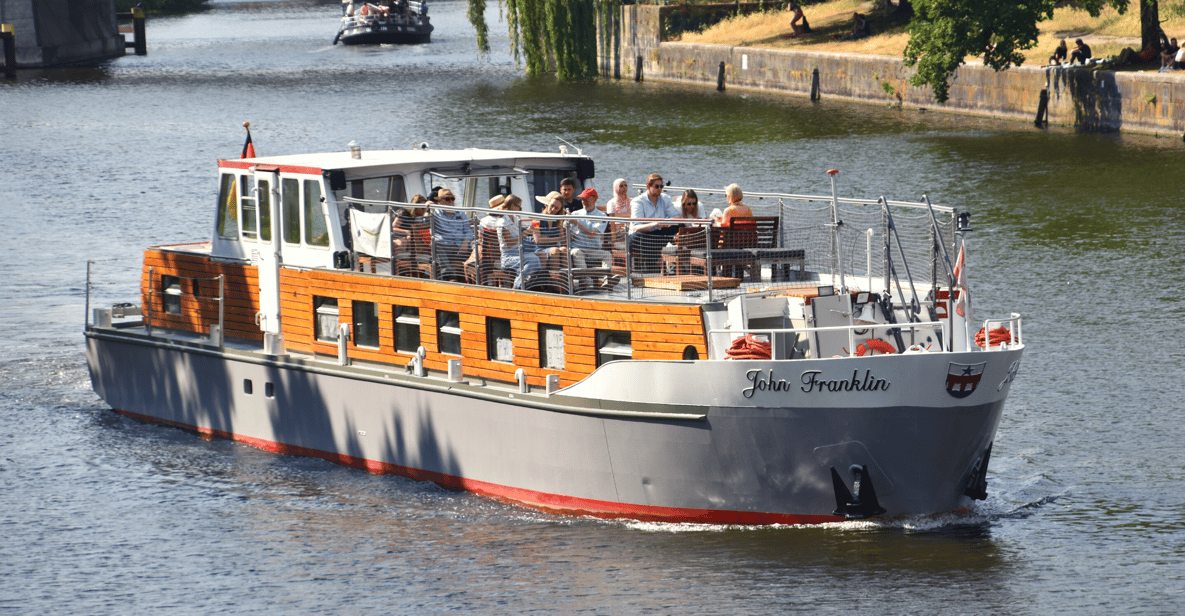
[
  {"x": 1042, "y": 109},
  {"x": 638, "y": 69},
  {"x": 343, "y": 334},
  {"x": 138, "y": 31},
  {"x": 720, "y": 78},
  {"x": 8, "y": 36},
  {"x": 553, "y": 383},
  {"x": 815, "y": 84}
]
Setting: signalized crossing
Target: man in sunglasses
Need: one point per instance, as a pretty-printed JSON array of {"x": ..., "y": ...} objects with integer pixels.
[
  {"x": 648, "y": 237},
  {"x": 450, "y": 230}
]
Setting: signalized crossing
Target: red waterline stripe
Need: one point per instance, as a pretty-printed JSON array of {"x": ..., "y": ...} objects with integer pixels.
[{"x": 542, "y": 501}]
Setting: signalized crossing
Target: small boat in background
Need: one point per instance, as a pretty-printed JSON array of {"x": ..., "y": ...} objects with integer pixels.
[{"x": 386, "y": 22}]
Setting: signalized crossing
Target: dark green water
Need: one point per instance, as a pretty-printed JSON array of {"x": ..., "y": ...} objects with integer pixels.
[{"x": 1079, "y": 232}]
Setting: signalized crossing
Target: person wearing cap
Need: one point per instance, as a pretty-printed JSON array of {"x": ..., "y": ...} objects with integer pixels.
[
  {"x": 450, "y": 229},
  {"x": 648, "y": 238},
  {"x": 586, "y": 232},
  {"x": 567, "y": 189}
]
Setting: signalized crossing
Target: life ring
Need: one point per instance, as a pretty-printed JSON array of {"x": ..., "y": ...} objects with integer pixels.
[
  {"x": 874, "y": 344},
  {"x": 996, "y": 337}
]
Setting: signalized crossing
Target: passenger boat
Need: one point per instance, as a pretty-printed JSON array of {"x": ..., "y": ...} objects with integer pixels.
[
  {"x": 385, "y": 22},
  {"x": 814, "y": 364}
]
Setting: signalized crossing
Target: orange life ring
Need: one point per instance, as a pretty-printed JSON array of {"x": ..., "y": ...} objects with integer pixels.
[{"x": 874, "y": 344}]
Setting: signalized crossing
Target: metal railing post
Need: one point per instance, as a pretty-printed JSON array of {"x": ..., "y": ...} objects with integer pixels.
[
  {"x": 148, "y": 321},
  {"x": 86, "y": 314}
]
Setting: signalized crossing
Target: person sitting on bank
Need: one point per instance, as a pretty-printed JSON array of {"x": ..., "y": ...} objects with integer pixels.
[
  {"x": 1168, "y": 55},
  {"x": 798, "y": 23},
  {"x": 860, "y": 28},
  {"x": 1081, "y": 52},
  {"x": 648, "y": 237},
  {"x": 586, "y": 233},
  {"x": 1059, "y": 54},
  {"x": 568, "y": 192}
]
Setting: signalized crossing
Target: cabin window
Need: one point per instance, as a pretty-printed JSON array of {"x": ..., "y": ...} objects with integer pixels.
[
  {"x": 366, "y": 324},
  {"x": 291, "y": 210},
  {"x": 326, "y": 315},
  {"x": 379, "y": 189},
  {"x": 612, "y": 346},
  {"x": 448, "y": 335},
  {"x": 170, "y": 294},
  {"x": 547, "y": 180},
  {"x": 247, "y": 209},
  {"x": 551, "y": 346},
  {"x": 316, "y": 232},
  {"x": 228, "y": 199},
  {"x": 501, "y": 346},
  {"x": 407, "y": 329},
  {"x": 265, "y": 210}
]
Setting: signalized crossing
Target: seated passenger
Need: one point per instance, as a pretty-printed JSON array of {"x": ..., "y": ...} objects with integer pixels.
[
  {"x": 451, "y": 232},
  {"x": 586, "y": 234},
  {"x": 509, "y": 238},
  {"x": 490, "y": 221},
  {"x": 409, "y": 229},
  {"x": 648, "y": 237},
  {"x": 735, "y": 209},
  {"x": 689, "y": 205},
  {"x": 548, "y": 233},
  {"x": 567, "y": 190}
]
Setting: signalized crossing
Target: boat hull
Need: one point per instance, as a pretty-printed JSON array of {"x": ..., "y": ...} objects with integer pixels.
[
  {"x": 718, "y": 461},
  {"x": 386, "y": 34}
]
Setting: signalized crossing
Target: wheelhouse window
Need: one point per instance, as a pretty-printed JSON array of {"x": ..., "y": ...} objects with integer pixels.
[
  {"x": 612, "y": 346},
  {"x": 316, "y": 232},
  {"x": 265, "y": 210},
  {"x": 247, "y": 209},
  {"x": 170, "y": 294},
  {"x": 407, "y": 329},
  {"x": 448, "y": 334},
  {"x": 366, "y": 324},
  {"x": 326, "y": 316},
  {"x": 551, "y": 346},
  {"x": 501, "y": 345},
  {"x": 291, "y": 210},
  {"x": 228, "y": 200}
]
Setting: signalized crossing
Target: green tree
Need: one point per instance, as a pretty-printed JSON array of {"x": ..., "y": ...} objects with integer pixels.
[
  {"x": 542, "y": 31},
  {"x": 944, "y": 32}
]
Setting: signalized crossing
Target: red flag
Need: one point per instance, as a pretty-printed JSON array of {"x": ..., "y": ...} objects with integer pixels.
[{"x": 248, "y": 147}]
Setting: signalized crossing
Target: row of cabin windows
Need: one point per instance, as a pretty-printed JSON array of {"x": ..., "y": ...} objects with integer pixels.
[
  {"x": 611, "y": 345},
  {"x": 245, "y": 210}
]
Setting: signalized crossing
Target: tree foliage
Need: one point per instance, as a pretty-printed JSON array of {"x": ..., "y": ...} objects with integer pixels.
[
  {"x": 944, "y": 32},
  {"x": 543, "y": 31}
]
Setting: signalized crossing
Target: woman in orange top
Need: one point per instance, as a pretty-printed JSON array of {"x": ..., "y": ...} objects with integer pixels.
[{"x": 736, "y": 209}]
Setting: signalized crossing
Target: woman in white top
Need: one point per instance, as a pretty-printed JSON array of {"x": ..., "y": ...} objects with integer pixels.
[{"x": 509, "y": 237}]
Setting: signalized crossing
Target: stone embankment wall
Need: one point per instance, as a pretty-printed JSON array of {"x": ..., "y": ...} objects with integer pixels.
[{"x": 1143, "y": 102}]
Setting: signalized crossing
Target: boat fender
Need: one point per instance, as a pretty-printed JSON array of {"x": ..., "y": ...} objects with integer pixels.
[{"x": 862, "y": 506}]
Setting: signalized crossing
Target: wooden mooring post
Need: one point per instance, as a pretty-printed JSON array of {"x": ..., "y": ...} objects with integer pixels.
[
  {"x": 638, "y": 69},
  {"x": 1042, "y": 109},
  {"x": 815, "y": 84},
  {"x": 720, "y": 78},
  {"x": 138, "y": 41},
  {"x": 8, "y": 35}
]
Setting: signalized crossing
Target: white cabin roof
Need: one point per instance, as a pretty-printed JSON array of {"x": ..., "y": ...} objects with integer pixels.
[{"x": 380, "y": 158}]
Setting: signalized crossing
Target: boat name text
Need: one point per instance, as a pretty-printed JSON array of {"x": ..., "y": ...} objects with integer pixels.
[{"x": 763, "y": 380}]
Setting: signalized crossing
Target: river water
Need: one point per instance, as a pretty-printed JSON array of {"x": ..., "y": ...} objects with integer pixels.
[{"x": 1079, "y": 232}]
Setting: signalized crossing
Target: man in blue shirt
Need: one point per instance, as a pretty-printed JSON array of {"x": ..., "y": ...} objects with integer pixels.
[
  {"x": 648, "y": 237},
  {"x": 451, "y": 232}
]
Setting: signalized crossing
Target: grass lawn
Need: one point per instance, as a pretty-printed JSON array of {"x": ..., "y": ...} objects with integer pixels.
[{"x": 1107, "y": 34}]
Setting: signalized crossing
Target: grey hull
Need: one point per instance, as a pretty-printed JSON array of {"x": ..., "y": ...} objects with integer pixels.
[{"x": 727, "y": 458}]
